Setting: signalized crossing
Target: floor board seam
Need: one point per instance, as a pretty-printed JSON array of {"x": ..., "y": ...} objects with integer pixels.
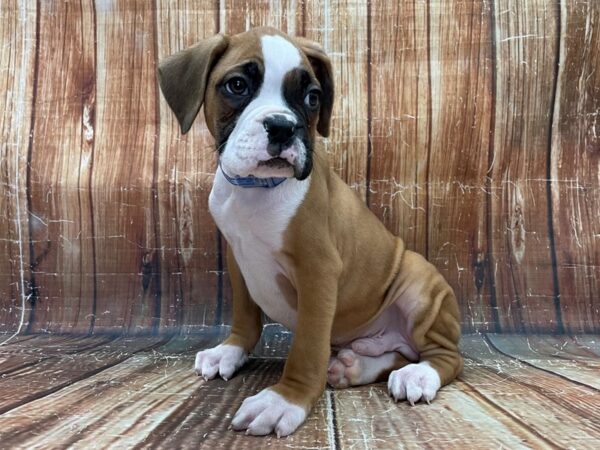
[
  {"x": 506, "y": 413},
  {"x": 558, "y": 375},
  {"x": 46, "y": 358},
  {"x": 333, "y": 431},
  {"x": 23, "y": 338},
  {"x": 329, "y": 417},
  {"x": 50, "y": 391}
]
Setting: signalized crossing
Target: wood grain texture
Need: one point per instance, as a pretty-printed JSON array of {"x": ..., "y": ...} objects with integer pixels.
[
  {"x": 400, "y": 118},
  {"x": 461, "y": 101},
  {"x": 560, "y": 355},
  {"x": 535, "y": 399},
  {"x": 525, "y": 40},
  {"x": 17, "y": 73},
  {"x": 328, "y": 23},
  {"x": 29, "y": 382},
  {"x": 127, "y": 268},
  {"x": 153, "y": 399},
  {"x": 469, "y": 127},
  {"x": 367, "y": 418},
  {"x": 197, "y": 423},
  {"x": 13, "y": 339},
  {"x": 591, "y": 343},
  {"x": 189, "y": 255},
  {"x": 136, "y": 393},
  {"x": 237, "y": 16},
  {"x": 60, "y": 169},
  {"x": 19, "y": 355},
  {"x": 575, "y": 167}
]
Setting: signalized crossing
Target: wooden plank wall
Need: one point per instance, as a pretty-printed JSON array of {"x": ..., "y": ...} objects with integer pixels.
[{"x": 470, "y": 127}]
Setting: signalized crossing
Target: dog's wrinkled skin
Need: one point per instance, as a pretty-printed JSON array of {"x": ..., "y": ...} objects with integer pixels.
[{"x": 307, "y": 252}]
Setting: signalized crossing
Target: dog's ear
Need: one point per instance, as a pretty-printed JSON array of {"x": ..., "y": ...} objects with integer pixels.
[
  {"x": 321, "y": 65},
  {"x": 183, "y": 77}
]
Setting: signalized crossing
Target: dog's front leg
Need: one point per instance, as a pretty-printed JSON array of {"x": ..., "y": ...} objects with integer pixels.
[
  {"x": 246, "y": 328},
  {"x": 283, "y": 407}
]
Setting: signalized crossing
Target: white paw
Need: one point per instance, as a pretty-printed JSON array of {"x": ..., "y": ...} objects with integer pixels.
[
  {"x": 268, "y": 412},
  {"x": 414, "y": 382},
  {"x": 223, "y": 359}
]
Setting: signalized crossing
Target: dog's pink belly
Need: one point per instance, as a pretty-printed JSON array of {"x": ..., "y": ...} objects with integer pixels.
[{"x": 388, "y": 333}]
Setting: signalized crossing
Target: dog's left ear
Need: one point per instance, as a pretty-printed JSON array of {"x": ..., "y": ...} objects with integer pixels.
[
  {"x": 321, "y": 65},
  {"x": 183, "y": 77}
]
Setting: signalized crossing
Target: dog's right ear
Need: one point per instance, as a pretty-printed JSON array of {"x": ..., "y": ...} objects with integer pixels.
[{"x": 183, "y": 77}]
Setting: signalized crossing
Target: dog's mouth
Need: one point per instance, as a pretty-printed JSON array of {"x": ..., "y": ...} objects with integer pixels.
[{"x": 276, "y": 163}]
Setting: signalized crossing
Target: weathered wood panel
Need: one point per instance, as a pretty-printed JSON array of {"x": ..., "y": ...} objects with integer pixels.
[
  {"x": 525, "y": 40},
  {"x": 120, "y": 394},
  {"x": 560, "y": 355},
  {"x": 237, "y": 16},
  {"x": 154, "y": 399},
  {"x": 19, "y": 355},
  {"x": 461, "y": 82},
  {"x": 575, "y": 167},
  {"x": 33, "y": 381},
  {"x": 539, "y": 400},
  {"x": 125, "y": 204},
  {"x": 189, "y": 255},
  {"x": 400, "y": 119},
  {"x": 17, "y": 68},
  {"x": 368, "y": 419},
  {"x": 469, "y": 127},
  {"x": 195, "y": 422},
  {"x": 62, "y": 149}
]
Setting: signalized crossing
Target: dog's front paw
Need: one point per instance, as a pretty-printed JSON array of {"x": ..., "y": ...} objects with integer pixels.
[
  {"x": 414, "y": 382},
  {"x": 268, "y": 412},
  {"x": 223, "y": 359}
]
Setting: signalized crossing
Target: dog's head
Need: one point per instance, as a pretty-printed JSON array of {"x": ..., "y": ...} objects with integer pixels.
[{"x": 264, "y": 95}]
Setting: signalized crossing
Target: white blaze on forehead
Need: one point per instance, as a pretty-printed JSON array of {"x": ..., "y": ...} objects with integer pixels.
[{"x": 280, "y": 56}]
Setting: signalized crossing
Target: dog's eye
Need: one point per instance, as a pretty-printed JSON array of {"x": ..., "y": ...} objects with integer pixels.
[
  {"x": 237, "y": 86},
  {"x": 312, "y": 99}
]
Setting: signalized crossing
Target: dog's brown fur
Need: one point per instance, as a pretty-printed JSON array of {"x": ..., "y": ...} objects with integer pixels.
[
  {"x": 345, "y": 268},
  {"x": 345, "y": 278}
]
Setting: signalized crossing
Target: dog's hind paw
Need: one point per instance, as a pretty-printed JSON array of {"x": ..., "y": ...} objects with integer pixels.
[
  {"x": 223, "y": 359},
  {"x": 344, "y": 369},
  {"x": 414, "y": 382}
]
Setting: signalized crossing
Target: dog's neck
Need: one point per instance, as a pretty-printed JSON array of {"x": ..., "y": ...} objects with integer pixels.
[{"x": 251, "y": 181}]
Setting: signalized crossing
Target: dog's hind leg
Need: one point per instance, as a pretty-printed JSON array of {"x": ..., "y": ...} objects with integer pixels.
[
  {"x": 348, "y": 368},
  {"x": 430, "y": 306}
]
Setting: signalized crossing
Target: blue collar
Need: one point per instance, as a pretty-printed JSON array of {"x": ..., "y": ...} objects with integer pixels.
[{"x": 252, "y": 181}]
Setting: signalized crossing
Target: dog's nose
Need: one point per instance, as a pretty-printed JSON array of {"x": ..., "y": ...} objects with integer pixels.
[{"x": 279, "y": 129}]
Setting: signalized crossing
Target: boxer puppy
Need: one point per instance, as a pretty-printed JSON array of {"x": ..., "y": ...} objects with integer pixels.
[{"x": 303, "y": 247}]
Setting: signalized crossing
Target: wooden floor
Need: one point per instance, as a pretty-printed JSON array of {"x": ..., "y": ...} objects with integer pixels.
[{"x": 107, "y": 392}]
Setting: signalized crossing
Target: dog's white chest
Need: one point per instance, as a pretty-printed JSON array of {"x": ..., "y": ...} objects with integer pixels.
[{"x": 254, "y": 220}]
